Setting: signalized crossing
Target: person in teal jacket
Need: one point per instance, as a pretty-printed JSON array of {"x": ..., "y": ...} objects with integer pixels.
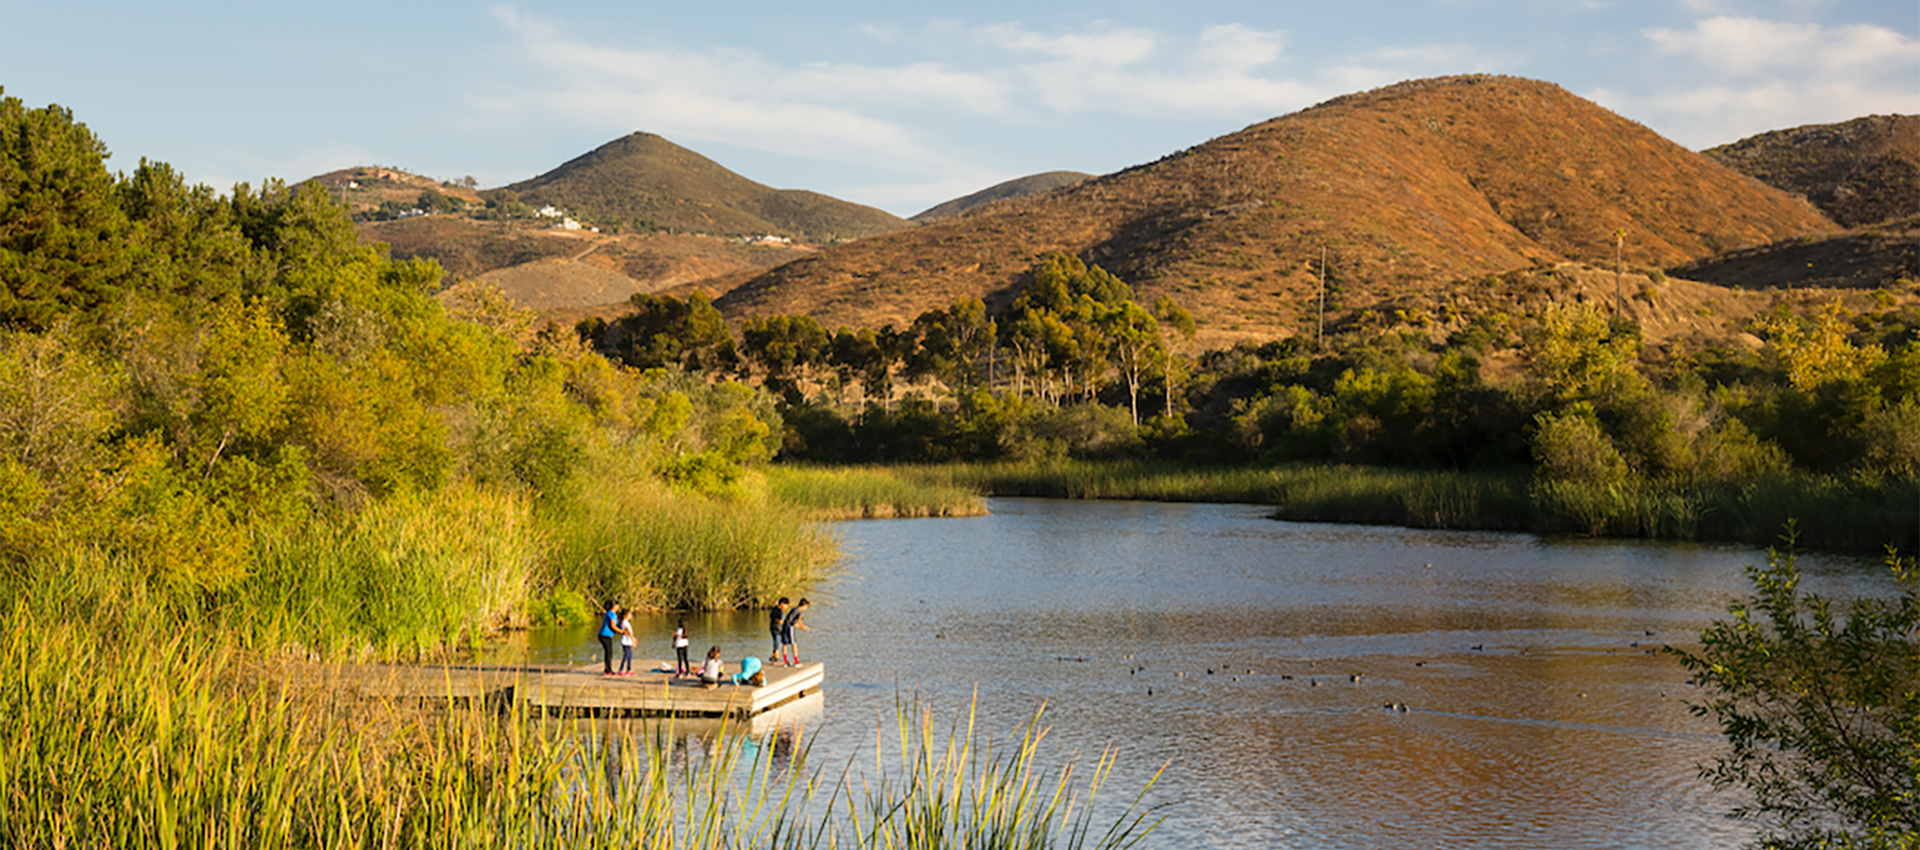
[{"x": 749, "y": 672}]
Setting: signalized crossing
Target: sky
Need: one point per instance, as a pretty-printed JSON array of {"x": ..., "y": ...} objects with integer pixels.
[{"x": 889, "y": 104}]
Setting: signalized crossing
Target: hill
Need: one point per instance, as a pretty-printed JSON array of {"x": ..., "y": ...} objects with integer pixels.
[
  {"x": 1877, "y": 257},
  {"x": 376, "y": 191},
  {"x": 549, "y": 269},
  {"x": 1019, "y": 187},
  {"x": 1858, "y": 172},
  {"x": 645, "y": 182},
  {"x": 1416, "y": 187}
]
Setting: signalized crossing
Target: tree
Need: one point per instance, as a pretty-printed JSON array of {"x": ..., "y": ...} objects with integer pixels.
[
  {"x": 1172, "y": 316},
  {"x": 664, "y": 330},
  {"x": 1820, "y": 703},
  {"x": 1134, "y": 338},
  {"x": 63, "y": 246},
  {"x": 1577, "y": 355},
  {"x": 787, "y": 348}
]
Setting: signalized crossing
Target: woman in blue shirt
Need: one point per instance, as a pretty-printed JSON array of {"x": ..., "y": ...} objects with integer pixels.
[{"x": 609, "y": 633}]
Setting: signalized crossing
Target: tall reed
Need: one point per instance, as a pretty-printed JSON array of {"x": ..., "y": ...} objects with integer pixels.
[
  {"x": 860, "y": 492},
  {"x": 635, "y": 539},
  {"x": 413, "y": 573},
  {"x": 202, "y": 744}
]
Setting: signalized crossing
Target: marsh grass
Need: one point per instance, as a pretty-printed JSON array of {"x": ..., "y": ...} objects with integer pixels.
[
  {"x": 413, "y": 574},
  {"x": 855, "y": 492},
  {"x": 1417, "y": 498},
  {"x": 1861, "y": 513},
  {"x": 1829, "y": 511},
  {"x": 201, "y": 744},
  {"x": 633, "y": 539}
]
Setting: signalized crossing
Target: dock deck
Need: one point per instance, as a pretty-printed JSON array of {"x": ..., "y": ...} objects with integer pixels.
[{"x": 566, "y": 689}]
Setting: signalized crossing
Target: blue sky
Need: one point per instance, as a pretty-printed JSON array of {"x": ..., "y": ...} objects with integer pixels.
[{"x": 885, "y": 103}]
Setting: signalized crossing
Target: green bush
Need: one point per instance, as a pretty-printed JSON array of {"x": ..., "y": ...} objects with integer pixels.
[{"x": 1820, "y": 703}]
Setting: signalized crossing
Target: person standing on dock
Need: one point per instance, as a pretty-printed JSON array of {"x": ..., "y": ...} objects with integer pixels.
[
  {"x": 681, "y": 666},
  {"x": 626, "y": 644},
  {"x": 777, "y": 624},
  {"x": 787, "y": 646},
  {"x": 609, "y": 630}
]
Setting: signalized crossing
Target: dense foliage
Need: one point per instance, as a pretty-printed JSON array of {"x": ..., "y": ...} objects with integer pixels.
[
  {"x": 1822, "y": 422},
  {"x": 1820, "y": 702},
  {"x": 229, "y": 410}
]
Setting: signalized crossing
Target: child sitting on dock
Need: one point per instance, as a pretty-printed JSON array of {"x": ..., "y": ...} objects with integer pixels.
[
  {"x": 712, "y": 670},
  {"x": 682, "y": 667}
]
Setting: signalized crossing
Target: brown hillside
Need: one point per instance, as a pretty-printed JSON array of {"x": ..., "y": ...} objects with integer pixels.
[
  {"x": 1409, "y": 187},
  {"x": 367, "y": 188},
  {"x": 1869, "y": 258},
  {"x": 1858, "y": 172},
  {"x": 1019, "y": 187},
  {"x": 548, "y": 269},
  {"x": 645, "y": 182}
]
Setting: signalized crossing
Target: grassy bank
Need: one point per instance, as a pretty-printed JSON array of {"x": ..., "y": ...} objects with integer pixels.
[
  {"x": 1417, "y": 498},
  {"x": 1831, "y": 512},
  {"x": 855, "y": 492},
  {"x": 204, "y": 744}
]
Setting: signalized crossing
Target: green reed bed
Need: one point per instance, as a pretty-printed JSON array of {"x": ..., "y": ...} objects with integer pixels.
[
  {"x": 650, "y": 546},
  {"x": 201, "y": 744},
  {"x": 1830, "y": 512},
  {"x": 958, "y": 791},
  {"x": 858, "y": 492},
  {"x": 409, "y": 574},
  {"x": 1419, "y": 498}
]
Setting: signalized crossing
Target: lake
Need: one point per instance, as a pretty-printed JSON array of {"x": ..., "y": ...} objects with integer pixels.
[{"x": 1303, "y": 685}]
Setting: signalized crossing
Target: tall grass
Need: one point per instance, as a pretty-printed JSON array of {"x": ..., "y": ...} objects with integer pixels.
[
  {"x": 634, "y": 539},
  {"x": 1829, "y": 511},
  {"x": 409, "y": 574},
  {"x": 1859, "y": 513},
  {"x": 205, "y": 745},
  {"x": 957, "y": 791},
  {"x": 858, "y": 492},
  {"x": 1419, "y": 498}
]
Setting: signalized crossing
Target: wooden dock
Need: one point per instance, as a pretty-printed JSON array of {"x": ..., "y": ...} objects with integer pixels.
[{"x": 581, "y": 690}]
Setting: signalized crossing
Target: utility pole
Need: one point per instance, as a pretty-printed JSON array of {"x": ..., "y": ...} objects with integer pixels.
[
  {"x": 1320, "y": 329},
  {"x": 1619, "y": 242}
]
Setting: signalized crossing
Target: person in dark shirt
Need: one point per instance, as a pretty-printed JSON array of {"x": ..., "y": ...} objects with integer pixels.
[
  {"x": 609, "y": 634},
  {"x": 787, "y": 628},
  {"x": 777, "y": 624}
]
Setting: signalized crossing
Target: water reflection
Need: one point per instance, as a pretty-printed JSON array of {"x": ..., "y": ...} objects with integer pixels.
[{"x": 1305, "y": 685}]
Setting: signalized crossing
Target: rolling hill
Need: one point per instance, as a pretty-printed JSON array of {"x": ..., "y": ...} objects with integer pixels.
[
  {"x": 1858, "y": 172},
  {"x": 550, "y": 269},
  {"x": 642, "y": 181},
  {"x": 1876, "y": 257},
  {"x": 1425, "y": 186},
  {"x": 1019, "y": 187}
]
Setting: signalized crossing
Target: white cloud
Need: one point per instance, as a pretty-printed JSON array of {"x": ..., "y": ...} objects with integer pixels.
[
  {"x": 1741, "y": 46},
  {"x": 822, "y": 110},
  {"x": 1748, "y": 75},
  {"x": 1139, "y": 72},
  {"x": 989, "y": 79}
]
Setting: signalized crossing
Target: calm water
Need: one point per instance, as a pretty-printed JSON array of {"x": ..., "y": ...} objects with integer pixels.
[{"x": 1263, "y": 664}]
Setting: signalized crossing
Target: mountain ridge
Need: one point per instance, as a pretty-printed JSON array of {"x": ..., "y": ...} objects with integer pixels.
[
  {"x": 1414, "y": 185},
  {"x": 643, "y": 181}
]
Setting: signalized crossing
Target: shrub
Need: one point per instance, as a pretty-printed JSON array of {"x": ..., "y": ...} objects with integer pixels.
[
  {"x": 1820, "y": 703},
  {"x": 1571, "y": 447}
]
